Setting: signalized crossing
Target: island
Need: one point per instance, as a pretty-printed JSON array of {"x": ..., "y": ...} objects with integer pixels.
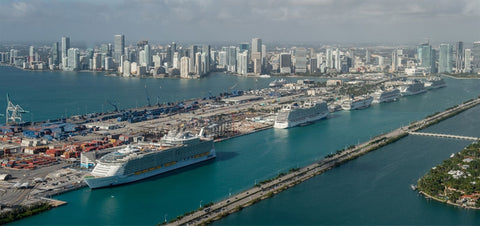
[{"x": 457, "y": 180}]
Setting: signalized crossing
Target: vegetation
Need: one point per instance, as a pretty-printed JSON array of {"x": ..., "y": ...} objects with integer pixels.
[
  {"x": 457, "y": 179},
  {"x": 23, "y": 211}
]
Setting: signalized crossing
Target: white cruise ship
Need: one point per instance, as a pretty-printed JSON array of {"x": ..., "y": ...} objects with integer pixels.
[
  {"x": 294, "y": 114},
  {"x": 388, "y": 95},
  {"x": 412, "y": 87},
  {"x": 357, "y": 103},
  {"x": 435, "y": 82},
  {"x": 277, "y": 83},
  {"x": 140, "y": 161}
]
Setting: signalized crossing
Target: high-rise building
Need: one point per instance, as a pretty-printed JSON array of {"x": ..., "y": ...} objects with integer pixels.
[
  {"x": 468, "y": 61},
  {"x": 394, "y": 61},
  {"x": 222, "y": 59},
  {"x": 367, "y": 57},
  {"x": 338, "y": 63},
  {"x": 65, "y": 47},
  {"x": 55, "y": 54},
  {"x": 119, "y": 41},
  {"x": 97, "y": 61},
  {"x": 206, "y": 62},
  {"x": 285, "y": 63},
  {"x": 232, "y": 59},
  {"x": 476, "y": 57},
  {"x": 108, "y": 63},
  {"x": 198, "y": 63},
  {"x": 459, "y": 57},
  {"x": 192, "y": 51},
  {"x": 300, "y": 60},
  {"x": 445, "y": 59},
  {"x": 329, "y": 60},
  {"x": 184, "y": 67},
  {"x": 242, "y": 63},
  {"x": 31, "y": 56},
  {"x": 126, "y": 68},
  {"x": 426, "y": 55},
  {"x": 73, "y": 59},
  {"x": 148, "y": 56}
]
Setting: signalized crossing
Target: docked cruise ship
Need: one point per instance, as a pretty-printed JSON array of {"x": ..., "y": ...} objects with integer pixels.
[
  {"x": 294, "y": 114},
  {"x": 387, "y": 95},
  {"x": 435, "y": 82},
  {"x": 357, "y": 103},
  {"x": 277, "y": 83},
  {"x": 137, "y": 162},
  {"x": 412, "y": 87}
]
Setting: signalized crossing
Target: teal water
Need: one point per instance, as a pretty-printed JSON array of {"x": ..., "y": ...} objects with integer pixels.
[
  {"x": 51, "y": 95},
  {"x": 350, "y": 194}
]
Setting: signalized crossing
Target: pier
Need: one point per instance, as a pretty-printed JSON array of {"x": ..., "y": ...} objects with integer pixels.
[{"x": 444, "y": 136}]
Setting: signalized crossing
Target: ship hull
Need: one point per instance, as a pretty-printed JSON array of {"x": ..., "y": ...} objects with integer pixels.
[
  {"x": 101, "y": 182},
  {"x": 284, "y": 125}
]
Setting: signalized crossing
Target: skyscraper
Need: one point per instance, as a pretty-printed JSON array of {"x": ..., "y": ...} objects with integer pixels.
[
  {"x": 476, "y": 57},
  {"x": 459, "y": 58},
  {"x": 468, "y": 61},
  {"x": 445, "y": 60},
  {"x": 119, "y": 41},
  {"x": 242, "y": 63},
  {"x": 65, "y": 47},
  {"x": 55, "y": 54},
  {"x": 73, "y": 59},
  {"x": 285, "y": 63},
  {"x": 427, "y": 57},
  {"x": 184, "y": 67},
  {"x": 394, "y": 61},
  {"x": 329, "y": 60},
  {"x": 300, "y": 60},
  {"x": 31, "y": 56}
]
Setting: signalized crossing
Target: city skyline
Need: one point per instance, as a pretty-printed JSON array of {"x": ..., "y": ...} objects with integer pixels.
[{"x": 211, "y": 20}]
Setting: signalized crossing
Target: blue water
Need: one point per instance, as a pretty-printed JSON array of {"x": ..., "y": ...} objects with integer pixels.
[{"x": 355, "y": 193}]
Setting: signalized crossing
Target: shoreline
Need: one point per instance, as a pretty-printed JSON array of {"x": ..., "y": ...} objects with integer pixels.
[{"x": 427, "y": 196}]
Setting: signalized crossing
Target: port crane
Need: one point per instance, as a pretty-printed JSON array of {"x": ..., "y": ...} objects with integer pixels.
[
  {"x": 148, "y": 96},
  {"x": 115, "y": 105},
  {"x": 14, "y": 112}
]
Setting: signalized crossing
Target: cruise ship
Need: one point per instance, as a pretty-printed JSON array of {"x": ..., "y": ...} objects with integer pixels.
[
  {"x": 412, "y": 87},
  {"x": 294, "y": 114},
  {"x": 434, "y": 83},
  {"x": 140, "y": 161},
  {"x": 357, "y": 103},
  {"x": 387, "y": 95},
  {"x": 277, "y": 83}
]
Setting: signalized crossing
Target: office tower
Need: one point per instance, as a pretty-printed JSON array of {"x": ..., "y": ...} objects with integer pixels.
[
  {"x": 126, "y": 68},
  {"x": 176, "y": 60},
  {"x": 55, "y": 54},
  {"x": 394, "y": 61},
  {"x": 426, "y": 55},
  {"x": 300, "y": 60},
  {"x": 367, "y": 57},
  {"x": 445, "y": 59},
  {"x": 232, "y": 59},
  {"x": 476, "y": 57},
  {"x": 285, "y": 63},
  {"x": 459, "y": 58},
  {"x": 157, "y": 61},
  {"x": 65, "y": 47},
  {"x": 222, "y": 59},
  {"x": 31, "y": 56},
  {"x": 329, "y": 60},
  {"x": 468, "y": 61},
  {"x": 256, "y": 45},
  {"x": 192, "y": 51},
  {"x": 184, "y": 67},
  {"x": 381, "y": 61},
  {"x": 142, "y": 58},
  {"x": 205, "y": 62},
  {"x": 97, "y": 61},
  {"x": 148, "y": 56},
  {"x": 264, "y": 53},
  {"x": 73, "y": 59},
  {"x": 119, "y": 41},
  {"x": 313, "y": 65},
  {"x": 108, "y": 63},
  {"x": 198, "y": 63},
  {"x": 243, "y": 47},
  {"x": 206, "y": 50},
  {"x": 242, "y": 62},
  {"x": 257, "y": 66},
  {"x": 337, "y": 60}
]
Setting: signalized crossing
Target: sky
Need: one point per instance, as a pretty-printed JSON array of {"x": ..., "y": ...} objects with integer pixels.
[{"x": 399, "y": 21}]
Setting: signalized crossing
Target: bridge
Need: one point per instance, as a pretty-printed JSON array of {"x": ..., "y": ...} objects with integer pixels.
[{"x": 444, "y": 136}]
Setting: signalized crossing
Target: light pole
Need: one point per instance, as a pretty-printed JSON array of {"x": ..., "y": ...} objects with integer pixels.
[
  {"x": 229, "y": 192},
  {"x": 201, "y": 203},
  {"x": 255, "y": 182},
  {"x": 165, "y": 218}
]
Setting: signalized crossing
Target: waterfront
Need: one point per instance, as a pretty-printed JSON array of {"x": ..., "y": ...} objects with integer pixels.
[{"x": 243, "y": 160}]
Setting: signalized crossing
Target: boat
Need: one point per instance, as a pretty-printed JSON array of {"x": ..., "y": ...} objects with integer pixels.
[
  {"x": 357, "y": 103},
  {"x": 388, "y": 95},
  {"x": 264, "y": 76},
  {"x": 140, "y": 161},
  {"x": 295, "y": 114},
  {"x": 435, "y": 83},
  {"x": 412, "y": 87},
  {"x": 277, "y": 83}
]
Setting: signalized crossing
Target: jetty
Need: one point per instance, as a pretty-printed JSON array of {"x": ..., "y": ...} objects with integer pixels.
[{"x": 206, "y": 215}]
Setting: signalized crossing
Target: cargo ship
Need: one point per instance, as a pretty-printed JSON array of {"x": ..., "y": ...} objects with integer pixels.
[
  {"x": 294, "y": 114},
  {"x": 140, "y": 161},
  {"x": 387, "y": 95},
  {"x": 356, "y": 103}
]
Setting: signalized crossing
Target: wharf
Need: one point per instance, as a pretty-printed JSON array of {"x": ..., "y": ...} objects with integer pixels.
[{"x": 285, "y": 181}]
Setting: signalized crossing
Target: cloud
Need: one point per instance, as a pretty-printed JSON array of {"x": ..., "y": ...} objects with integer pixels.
[{"x": 240, "y": 19}]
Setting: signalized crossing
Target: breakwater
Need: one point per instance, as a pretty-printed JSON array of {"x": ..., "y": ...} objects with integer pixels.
[{"x": 285, "y": 181}]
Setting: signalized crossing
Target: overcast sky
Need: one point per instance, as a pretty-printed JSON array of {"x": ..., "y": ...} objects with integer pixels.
[{"x": 389, "y": 21}]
